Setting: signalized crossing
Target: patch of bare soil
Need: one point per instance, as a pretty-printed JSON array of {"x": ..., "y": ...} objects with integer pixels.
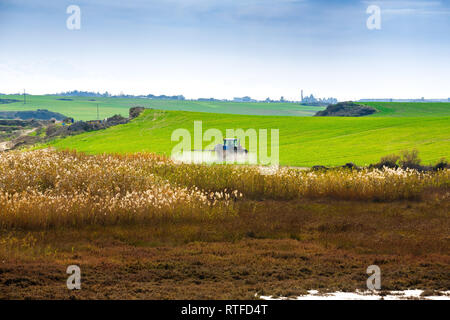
[
  {"x": 271, "y": 248},
  {"x": 22, "y": 139}
]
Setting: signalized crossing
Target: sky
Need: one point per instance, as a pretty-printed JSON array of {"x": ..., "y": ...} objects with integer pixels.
[{"x": 227, "y": 48}]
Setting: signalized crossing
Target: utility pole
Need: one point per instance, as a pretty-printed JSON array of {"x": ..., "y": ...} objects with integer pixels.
[{"x": 24, "y": 97}]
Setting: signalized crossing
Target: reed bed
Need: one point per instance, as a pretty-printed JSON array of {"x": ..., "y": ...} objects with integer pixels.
[
  {"x": 45, "y": 188},
  {"x": 287, "y": 183}
]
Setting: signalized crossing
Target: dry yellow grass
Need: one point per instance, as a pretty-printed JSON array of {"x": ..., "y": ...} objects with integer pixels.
[
  {"x": 51, "y": 189},
  {"x": 42, "y": 189}
]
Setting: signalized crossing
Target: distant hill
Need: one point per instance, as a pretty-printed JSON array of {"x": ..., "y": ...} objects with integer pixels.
[
  {"x": 85, "y": 108},
  {"x": 346, "y": 109},
  {"x": 5, "y": 101},
  {"x": 410, "y": 109},
  {"x": 39, "y": 114}
]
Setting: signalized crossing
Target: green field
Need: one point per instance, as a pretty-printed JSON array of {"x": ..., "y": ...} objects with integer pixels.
[
  {"x": 410, "y": 109},
  {"x": 304, "y": 141},
  {"x": 81, "y": 108}
]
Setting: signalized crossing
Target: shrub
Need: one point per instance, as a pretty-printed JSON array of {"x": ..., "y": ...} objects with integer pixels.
[
  {"x": 346, "y": 109},
  {"x": 441, "y": 165},
  {"x": 389, "y": 161},
  {"x": 410, "y": 159}
]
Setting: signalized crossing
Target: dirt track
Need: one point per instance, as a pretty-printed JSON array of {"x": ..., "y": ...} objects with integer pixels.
[{"x": 5, "y": 145}]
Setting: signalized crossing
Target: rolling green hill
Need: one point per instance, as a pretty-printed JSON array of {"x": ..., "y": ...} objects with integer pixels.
[
  {"x": 85, "y": 108},
  {"x": 410, "y": 109},
  {"x": 304, "y": 141}
]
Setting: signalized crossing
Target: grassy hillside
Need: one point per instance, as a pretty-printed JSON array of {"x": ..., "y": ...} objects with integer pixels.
[
  {"x": 410, "y": 109},
  {"x": 304, "y": 141},
  {"x": 85, "y": 108}
]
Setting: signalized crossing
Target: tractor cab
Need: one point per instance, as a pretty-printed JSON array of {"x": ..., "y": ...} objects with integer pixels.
[
  {"x": 230, "y": 147},
  {"x": 230, "y": 144}
]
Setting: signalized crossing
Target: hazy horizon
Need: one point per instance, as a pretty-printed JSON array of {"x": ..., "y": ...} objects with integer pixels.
[
  {"x": 225, "y": 49},
  {"x": 205, "y": 96}
]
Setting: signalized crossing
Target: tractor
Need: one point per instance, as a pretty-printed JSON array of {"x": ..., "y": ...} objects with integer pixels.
[{"x": 230, "y": 149}]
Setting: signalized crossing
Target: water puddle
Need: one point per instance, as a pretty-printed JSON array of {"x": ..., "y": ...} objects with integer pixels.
[{"x": 364, "y": 295}]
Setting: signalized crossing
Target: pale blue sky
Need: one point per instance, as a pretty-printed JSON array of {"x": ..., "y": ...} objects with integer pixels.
[{"x": 228, "y": 48}]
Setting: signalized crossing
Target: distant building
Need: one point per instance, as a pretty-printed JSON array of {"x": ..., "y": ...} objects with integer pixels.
[
  {"x": 164, "y": 97},
  {"x": 243, "y": 99},
  {"x": 314, "y": 101}
]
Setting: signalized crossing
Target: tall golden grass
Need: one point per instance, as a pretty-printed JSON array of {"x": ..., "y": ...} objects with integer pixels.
[
  {"x": 45, "y": 189},
  {"x": 288, "y": 183},
  {"x": 48, "y": 189}
]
